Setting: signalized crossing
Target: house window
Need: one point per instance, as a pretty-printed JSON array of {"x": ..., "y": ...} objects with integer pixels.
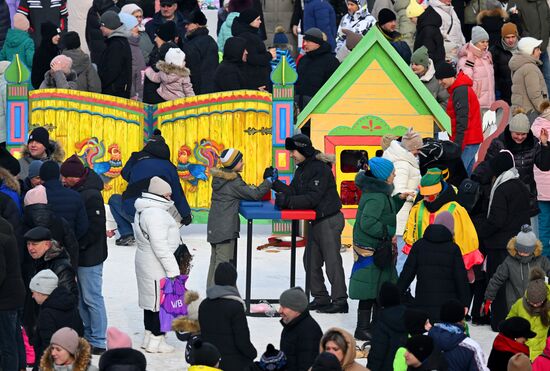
[
  {"x": 349, "y": 193},
  {"x": 350, "y": 160}
]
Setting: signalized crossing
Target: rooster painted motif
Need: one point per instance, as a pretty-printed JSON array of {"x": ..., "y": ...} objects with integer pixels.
[
  {"x": 207, "y": 153},
  {"x": 91, "y": 150}
]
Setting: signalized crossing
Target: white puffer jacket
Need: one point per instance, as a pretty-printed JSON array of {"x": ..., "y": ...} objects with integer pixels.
[
  {"x": 157, "y": 236},
  {"x": 407, "y": 179}
]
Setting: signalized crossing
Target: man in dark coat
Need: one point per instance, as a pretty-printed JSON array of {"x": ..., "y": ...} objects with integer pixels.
[
  {"x": 301, "y": 334},
  {"x": 168, "y": 13},
  {"x": 231, "y": 74},
  {"x": 64, "y": 202},
  {"x": 93, "y": 250},
  {"x": 502, "y": 53},
  {"x": 223, "y": 321},
  {"x": 115, "y": 65},
  {"x": 94, "y": 36},
  {"x": 44, "y": 53},
  {"x": 315, "y": 67},
  {"x": 387, "y": 23},
  {"x": 201, "y": 54},
  {"x": 313, "y": 187},
  {"x": 428, "y": 35}
]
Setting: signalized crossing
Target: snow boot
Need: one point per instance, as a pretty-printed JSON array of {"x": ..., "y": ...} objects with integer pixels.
[
  {"x": 363, "y": 330},
  {"x": 146, "y": 338},
  {"x": 158, "y": 345}
]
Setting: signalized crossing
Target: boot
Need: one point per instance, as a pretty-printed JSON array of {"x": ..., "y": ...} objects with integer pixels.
[
  {"x": 146, "y": 338},
  {"x": 158, "y": 345},
  {"x": 362, "y": 332}
]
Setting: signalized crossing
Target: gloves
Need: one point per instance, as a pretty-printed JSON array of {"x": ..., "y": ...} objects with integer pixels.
[
  {"x": 487, "y": 307},
  {"x": 268, "y": 172},
  {"x": 281, "y": 200},
  {"x": 352, "y": 39},
  {"x": 274, "y": 176},
  {"x": 186, "y": 220}
]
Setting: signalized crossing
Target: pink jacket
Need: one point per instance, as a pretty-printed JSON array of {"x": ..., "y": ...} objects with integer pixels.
[
  {"x": 174, "y": 81},
  {"x": 542, "y": 362},
  {"x": 542, "y": 178},
  {"x": 478, "y": 65}
]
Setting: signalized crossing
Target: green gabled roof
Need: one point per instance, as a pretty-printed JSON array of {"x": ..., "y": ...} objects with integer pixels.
[{"x": 374, "y": 46}]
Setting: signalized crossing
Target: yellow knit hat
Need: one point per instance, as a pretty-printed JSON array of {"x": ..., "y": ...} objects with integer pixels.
[{"x": 414, "y": 9}]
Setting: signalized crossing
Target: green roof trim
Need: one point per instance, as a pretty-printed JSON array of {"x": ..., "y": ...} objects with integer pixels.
[
  {"x": 368, "y": 126},
  {"x": 374, "y": 46}
]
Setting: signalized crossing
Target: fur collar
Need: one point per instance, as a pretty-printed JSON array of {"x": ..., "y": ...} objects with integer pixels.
[
  {"x": 225, "y": 174},
  {"x": 9, "y": 180},
  {"x": 184, "y": 324},
  {"x": 329, "y": 159},
  {"x": 511, "y": 247},
  {"x": 497, "y": 12},
  {"x": 82, "y": 357},
  {"x": 169, "y": 68},
  {"x": 57, "y": 155}
]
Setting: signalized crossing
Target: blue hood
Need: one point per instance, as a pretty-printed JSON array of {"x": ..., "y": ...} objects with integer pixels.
[{"x": 447, "y": 336}]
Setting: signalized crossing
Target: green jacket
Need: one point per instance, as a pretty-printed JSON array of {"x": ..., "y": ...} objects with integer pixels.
[{"x": 18, "y": 42}]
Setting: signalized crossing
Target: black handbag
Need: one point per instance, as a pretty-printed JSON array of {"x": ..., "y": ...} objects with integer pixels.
[{"x": 384, "y": 255}]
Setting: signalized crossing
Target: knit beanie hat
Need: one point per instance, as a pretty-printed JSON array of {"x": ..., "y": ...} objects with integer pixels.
[
  {"x": 526, "y": 240},
  {"x": 519, "y": 362},
  {"x": 248, "y": 16},
  {"x": 70, "y": 40},
  {"x": 49, "y": 171},
  {"x": 63, "y": 62},
  {"x": 411, "y": 140},
  {"x": 128, "y": 20},
  {"x": 272, "y": 359},
  {"x": 381, "y": 167},
  {"x": 444, "y": 70},
  {"x": 420, "y": 56},
  {"x": 389, "y": 295},
  {"x": 326, "y": 362},
  {"x": 44, "y": 282},
  {"x": 526, "y": 45},
  {"x": 175, "y": 56},
  {"x": 280, "y": 37},
  {"x": 37, "y": 195},
  {"x": 446, "y": 219},
  {"x": 72, "y": 167},
  {"x": 420, "y": 346},
  {"x": 452, "y": 311},
  {"x": 225, "y": 275},
  {"x": 315, "y": 35},
  {"x": 295, "y": 299},
  {"x": 8, "y": 162},
  {"x": 414, "y": 10},
  {"x": 415, "y": 321},
  {"x": 167, "y": 31},
  {"x": 386, "y": 15},
  {"x": 519, "y": 123},
  {"x": 537, "y": 290},
  {"x": 20, "y": 22},
  {"x": 516, "y": 327},
  {"x": 430, "y": 183},
  {"x": 117, "y": 339},
  {"x": 300, "y": 143},
  {"x": 110, "y": 20},
  {"x": 34, "y": 168},
  {"x": 502, "y": 162},
  {"x": 40, "y": 135},
  {"x": 159, "y": 186},
  {"x": 204, "y": 354},
  {"x": 230, "y": 157},
  {"x": 509, "y": 28},
  {"x": 479, "y": 34},
  {"x": 197, "y": 17},
  {"x": 66, "y": 338}
]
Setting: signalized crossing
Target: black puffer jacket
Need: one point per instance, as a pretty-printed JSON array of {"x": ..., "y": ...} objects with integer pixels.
[
  {"x": 492, "y": 20},
  {"x": 389, "y": 333},
  {"x": 428, "y": 35},
  {"x": 201, "y": 57},
  {"x": 231, "y": 74},
  {"x": 530, "y": 152},
  {"x": 94, "y": 37},
  {"x": 44, "y": 54},
  {"x": 10, "y": 212},
  {"x": 12, "y": 289},
  {"x": 314, "y": 69},
  {"x": 122, "y": 359},
  {"x": 313, "y": 186},
  {"x": 93, "y": 245},
  {"x": 300, "y": 341},
  {"x": 115, "y": 65},
  {"x": 57, "y": 259},
  {"x": 503, "y": 75},
  {"x": 437, "y": 263}
]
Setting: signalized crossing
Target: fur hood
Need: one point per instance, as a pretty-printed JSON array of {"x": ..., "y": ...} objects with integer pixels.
[
  {"x": 497, "y": 12},
  {"x": 171, "y": 69},
  {"x": 349, "y": 357},
  {"x": 82, "y": 357},
  {"x": 371, "y": 184},
  {"x": 184, "y": 324},
  {"x": 324, "y": 157},
  {"x": 9, "y": 180},
  {"x": 511, "y": 247},
  {"x": 55, "y": 152},
  {"x": 224, "y": 174}
]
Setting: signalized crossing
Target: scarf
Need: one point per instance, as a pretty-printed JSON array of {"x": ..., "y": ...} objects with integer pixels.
[
  {"x": 502, "y": 178},
  {"x": 505, "y": 344},
  {"x": 512, "y": 49}
]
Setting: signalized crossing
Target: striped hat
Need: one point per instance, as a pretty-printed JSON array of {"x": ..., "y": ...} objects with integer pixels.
[
  {"x": 230, "y": 157},
  {"x": 430, "y": 184}
]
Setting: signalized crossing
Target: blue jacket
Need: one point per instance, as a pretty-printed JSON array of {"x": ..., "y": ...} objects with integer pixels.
[
  {"x": 12, "y": 194},
  {"x": 449, "y": 339},
  {"x": 67, "y": 204},
  {"x": 320, "y": 14}
]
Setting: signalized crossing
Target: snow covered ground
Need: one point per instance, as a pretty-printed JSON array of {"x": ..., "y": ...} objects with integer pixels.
[{"x": 270, "y": 277}]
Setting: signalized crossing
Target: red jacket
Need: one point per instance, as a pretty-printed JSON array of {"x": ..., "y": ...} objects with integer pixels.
[{"x": 463, "y": 109}]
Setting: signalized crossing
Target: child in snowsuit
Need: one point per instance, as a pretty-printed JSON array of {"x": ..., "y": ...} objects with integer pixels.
[
  {"x": 18, "y": 41},
  {"x": 173, "y": 76}
]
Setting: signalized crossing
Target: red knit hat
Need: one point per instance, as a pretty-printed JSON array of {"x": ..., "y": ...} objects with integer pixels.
[{"x": 72, "y": 167}]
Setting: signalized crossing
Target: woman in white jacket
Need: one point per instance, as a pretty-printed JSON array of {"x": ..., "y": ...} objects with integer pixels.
[
  {"x": 403, "y": 155},
  {"x": 157, "y": 236}
]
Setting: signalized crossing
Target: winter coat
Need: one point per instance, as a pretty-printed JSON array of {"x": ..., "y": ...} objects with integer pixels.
[
  {"x": 138, "y": 65},
  {"x": 313, "y": 187},
  {"x": 503, "y": 349},
  {"x": 43, "y": 54},
  {"x": 514, "y": 272},
  {"x": 94, "y": 38},
  {"x": 390, "y": 332},
  {"x": 87, "y": 77},
  {"x": 478, "y": 65},
  {"x": 57, "y": 259},
  {"x": 5, "y": 22},
  {"x": 314, "y": 70},
  {"x": 9, "y": 211},
  {"x": 376, "y": 218},
  {"x": 228, "y": 189},
  {"x": 471, "y": 10},
  {"x": 460, "y": 351},
  {"x": 348, "y": 363},
  {"x": 464, "y": 110},
  {"x": 433, "y": 86},
  {"x": 81, "y": 363},
  {"x": 231, "y": 73},
  {"x": 157, "y": 236},
  {"x": 320, "y": 14},
  {"x": 59, "y": 310},
  {"x": 542, "y": 178},
  {"x": 122, "y": 359},
  {"x": 225, "y": 30},
  {"x": 175, "y": 81},
  {"x": 450, "y": 27},
  {"x": 67, "y": 204},
  {"x": 258, "y": 62},
  {"x": 435, "y": 361},
  {"x": 404, "y": 24},
  {"x": 18, "y": 42},
  {"x": 359, "y": 22},
  {"x": 300, "y": 341},
  {"x": 407, "y": 179},
  {"x": 536, "y": 345},
  {"x": 528, "y": 87},
  {"x": 534, "y": 16},
  {"x": 503, "y": 75},
  {"x": 429, "y": 35},
  {"x": 59, "y": 80},
  {"x": 115, "y": 66},
  {"x": 435, "y": 260},
  {"x": 542, "y": 362},
  {"x": 223, "y": 323},
  {"x": 44, "y": 11},
  {"x": 401, "y": 47},
  {"x": 145, "y": 45},
  {"x": 527, "y": 155},
  {"x": 10, "y": 186},
  {"x": 54, "y": 152},
  {"x": 492, "y": 21},
  {"x": 3, "y": 103},
  {"x": 201, "y": 57},
  {"x": 152, "y": 26},
  {"x": 12, "y": 289}
]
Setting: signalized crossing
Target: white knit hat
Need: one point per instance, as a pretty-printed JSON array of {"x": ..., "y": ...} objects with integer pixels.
[
  {"x": 44, "y": 282},
  {"x": 159, "y": 187},
  {"x": 526, "y": 45},
  {"x": 175, "y": 56}
]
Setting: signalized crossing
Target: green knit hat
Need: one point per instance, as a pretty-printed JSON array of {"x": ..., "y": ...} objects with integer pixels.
[
  {"x": 420, "y": 57},
  {"x": 430, "y": 184}
]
